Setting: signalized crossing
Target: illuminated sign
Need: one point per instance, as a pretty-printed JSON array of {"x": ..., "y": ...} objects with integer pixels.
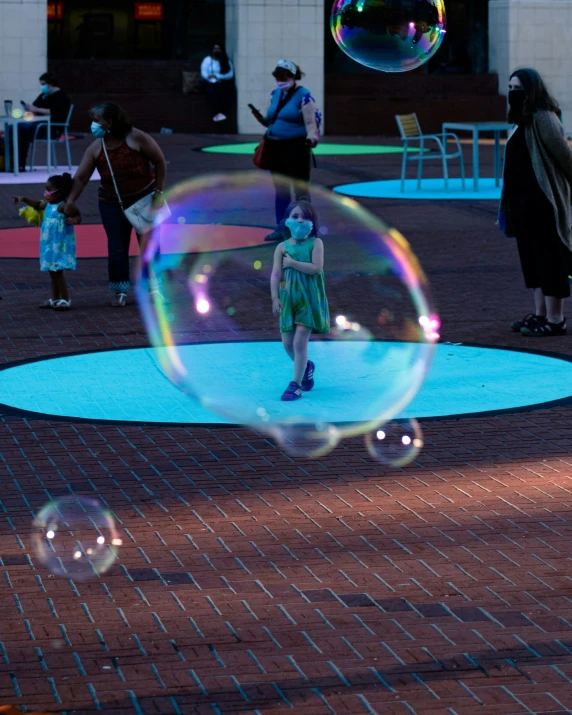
[
  {"x": 55, "y": 11},
  {"x": 148, "y": 10}
]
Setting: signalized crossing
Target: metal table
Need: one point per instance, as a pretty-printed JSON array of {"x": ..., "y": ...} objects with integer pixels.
[
  {"x": 13, "y": 122},
  {"x": 475, "y": 128}
]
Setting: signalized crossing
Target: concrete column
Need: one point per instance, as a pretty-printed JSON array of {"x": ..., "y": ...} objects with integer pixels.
[
  {"x": 23, "y": 49},
  {"x": 258, "y": 34},
  {"x": 533, "y": 33}
]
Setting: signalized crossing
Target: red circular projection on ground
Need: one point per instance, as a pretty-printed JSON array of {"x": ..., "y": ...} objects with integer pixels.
[{"x": 91, "y": 240}]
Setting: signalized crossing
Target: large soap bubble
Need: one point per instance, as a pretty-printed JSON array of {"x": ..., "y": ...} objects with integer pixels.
[
  {"x": 75, "y": 537},
  {"x": 216, "y": 336},
  {"x": 389, "y": 35}
]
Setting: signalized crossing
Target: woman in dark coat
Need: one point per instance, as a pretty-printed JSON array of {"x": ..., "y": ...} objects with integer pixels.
[{"x": 535, "y": 201}]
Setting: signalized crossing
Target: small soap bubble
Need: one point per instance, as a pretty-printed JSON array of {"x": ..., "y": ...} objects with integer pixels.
[
  {"x": 75, "y": 537},
  {"x": 390, "y": 36},
  {"x": 396, "y": 443}
]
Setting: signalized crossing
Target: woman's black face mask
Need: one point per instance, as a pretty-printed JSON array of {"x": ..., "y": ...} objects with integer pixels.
[{"x": 516, "y": 98}]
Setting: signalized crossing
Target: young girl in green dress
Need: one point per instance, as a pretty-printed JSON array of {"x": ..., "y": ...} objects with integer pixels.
[{"x": 299, "y": 293}]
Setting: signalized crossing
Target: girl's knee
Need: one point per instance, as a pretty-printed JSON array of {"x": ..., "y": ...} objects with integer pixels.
[{"x": 301, "y": 340}]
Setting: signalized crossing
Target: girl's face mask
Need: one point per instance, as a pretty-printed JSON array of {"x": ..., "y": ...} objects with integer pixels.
[
  {"x": 300, "y": 230},
  {"x": 284, "y": 86},
  {"x": 97, "y": 130}
]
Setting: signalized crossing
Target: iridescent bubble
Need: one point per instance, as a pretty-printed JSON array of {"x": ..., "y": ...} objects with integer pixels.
[
  {"x": 395, "y": 443},
  {"x": 75, "y": 537},
  {"x": 218, "y": 340},
  {"x": 389, "y": 35}
]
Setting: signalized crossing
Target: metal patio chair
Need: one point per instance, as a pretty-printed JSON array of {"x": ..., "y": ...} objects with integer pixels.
[
  {"x": 410, "y": 131},
  {"x": 65, "y": 133}
]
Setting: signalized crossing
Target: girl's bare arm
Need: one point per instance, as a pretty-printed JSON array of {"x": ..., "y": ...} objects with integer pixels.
[
  {"x": 313, "y": 268},
  {"x": 33, "y": 203},
  {"x": 276, "y": 276}
]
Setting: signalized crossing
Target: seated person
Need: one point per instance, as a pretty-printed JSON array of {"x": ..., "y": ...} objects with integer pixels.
[{"x": 52, "y": 101}]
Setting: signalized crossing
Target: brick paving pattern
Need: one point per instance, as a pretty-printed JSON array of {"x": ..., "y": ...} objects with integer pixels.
[{"x": 251, "y": 582}]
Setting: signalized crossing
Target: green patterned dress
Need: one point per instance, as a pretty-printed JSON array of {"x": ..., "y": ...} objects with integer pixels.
[{"x": 303, "y": 296}]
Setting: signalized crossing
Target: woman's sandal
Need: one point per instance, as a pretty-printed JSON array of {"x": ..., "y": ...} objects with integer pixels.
[
  {"x": 528, "y": 321},
  {"x": 47, "y": 303},
  {"x": 62, "y": 304},
  {"x": 120, "y": 300},
  {"x": 545, "y": 329}
]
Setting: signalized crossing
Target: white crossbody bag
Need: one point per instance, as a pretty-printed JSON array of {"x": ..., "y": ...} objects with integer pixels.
[{"x": 142, "y": 216}]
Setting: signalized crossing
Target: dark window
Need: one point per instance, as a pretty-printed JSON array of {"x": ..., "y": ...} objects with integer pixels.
[{"x": 110, "y": 29}]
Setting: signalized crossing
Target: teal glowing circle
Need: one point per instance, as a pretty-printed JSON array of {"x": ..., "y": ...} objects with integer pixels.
[
  {"x": 127, "y": 386},
  {"x": 323, "y": 149},
  {"x": 431, "y": 189}
]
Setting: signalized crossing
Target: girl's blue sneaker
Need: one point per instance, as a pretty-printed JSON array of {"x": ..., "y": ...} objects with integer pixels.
[
  {"x": 292, "y": 392},
  {"x": 308, "y": 379}
]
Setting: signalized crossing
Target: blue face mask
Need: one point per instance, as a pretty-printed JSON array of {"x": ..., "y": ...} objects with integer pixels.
[
  {"x": 97, "y": 130},
  {"x": 44, "y": 89},
  {"x": 299, "y": 229}
]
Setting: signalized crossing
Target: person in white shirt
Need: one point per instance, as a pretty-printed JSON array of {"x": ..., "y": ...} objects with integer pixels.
[{"x": 218, "y": 80}]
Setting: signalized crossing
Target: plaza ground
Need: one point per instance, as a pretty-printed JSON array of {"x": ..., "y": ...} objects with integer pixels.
[{"x": 251, "y": 582}]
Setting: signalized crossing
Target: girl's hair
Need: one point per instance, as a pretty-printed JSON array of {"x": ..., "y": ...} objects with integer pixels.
[
  {"x": 111, "y": 112},
  {"x": 536, "y": 94},
  {"x": 62, "y": 183},
  {"x": 224, "y": 62},
  {"x": 308, "y": 211},
  {"x": 299, "y": 74}
]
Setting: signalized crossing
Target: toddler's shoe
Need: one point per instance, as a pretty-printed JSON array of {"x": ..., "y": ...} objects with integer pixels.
[
  {"x": 308, "y": 379},
  {"x": 292, "y": 392}
]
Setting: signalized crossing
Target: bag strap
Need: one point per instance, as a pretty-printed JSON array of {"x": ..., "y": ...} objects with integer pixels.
[
  {"x": 112, "y": 174},
  {"x": 282, "y": 102}
]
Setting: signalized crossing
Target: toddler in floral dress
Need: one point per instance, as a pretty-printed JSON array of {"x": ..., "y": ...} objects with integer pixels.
[{"x": 57, "y": 236}]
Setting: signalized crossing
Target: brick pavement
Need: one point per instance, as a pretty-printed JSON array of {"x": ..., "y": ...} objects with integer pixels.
[{"x": 250, "y": 582}]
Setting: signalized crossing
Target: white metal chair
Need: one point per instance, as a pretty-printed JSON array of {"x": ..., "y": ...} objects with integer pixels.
[
  {"x": 410, "y": 131},
  {"x": 65, "y": 133}
]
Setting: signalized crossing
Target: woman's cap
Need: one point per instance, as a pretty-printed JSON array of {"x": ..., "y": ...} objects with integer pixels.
[{"x": 287, "y": 65}]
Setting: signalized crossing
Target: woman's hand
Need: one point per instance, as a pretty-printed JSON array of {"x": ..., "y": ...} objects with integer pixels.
[
  {"x": 276, "y": 306},
  {"x": 73, "y": 220},
  {"x": 312, "y": 140},
  {"x": 158, "y": 200},
  {"x": 70, "y": 209},
  {"x": 287, "y": 261}
]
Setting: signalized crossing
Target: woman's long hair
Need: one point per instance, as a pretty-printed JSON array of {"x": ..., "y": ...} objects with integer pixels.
[
  {"x": 223, "y": 59},
  {"x": 536, "y": 96},
  {"x": 111, "y": 112}
]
